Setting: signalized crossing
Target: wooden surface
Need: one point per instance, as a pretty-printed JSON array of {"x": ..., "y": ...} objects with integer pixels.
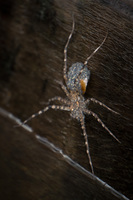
[
  {"x": 33, "y": 170},
  {"x": 32, "y": 38}
]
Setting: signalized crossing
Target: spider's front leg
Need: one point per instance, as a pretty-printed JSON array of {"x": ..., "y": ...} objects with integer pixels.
[
  {"x": 101, "y": 104},
  {"x": 60, "y": 99},
  {"x": 89, "y": 112},
  {"x": 54, "y": 107},
  {"x": 86, "y": 141}
]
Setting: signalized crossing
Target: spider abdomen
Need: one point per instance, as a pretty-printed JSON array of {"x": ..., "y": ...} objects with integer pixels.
[{"x": 78, "y": 77}]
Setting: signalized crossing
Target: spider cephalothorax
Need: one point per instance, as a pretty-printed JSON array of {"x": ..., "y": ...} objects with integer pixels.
[
  {"x": 76, "y": 82},
  {"x": 77, "y": 105}
]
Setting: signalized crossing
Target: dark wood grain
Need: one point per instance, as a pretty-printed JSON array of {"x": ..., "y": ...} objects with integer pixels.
[{"x": 32, "y": 37}]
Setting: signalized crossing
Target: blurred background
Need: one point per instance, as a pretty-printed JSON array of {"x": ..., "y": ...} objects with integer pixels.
[{"x": 32, "y": 39}]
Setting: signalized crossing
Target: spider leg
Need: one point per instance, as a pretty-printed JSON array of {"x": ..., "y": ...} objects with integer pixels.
[
  {"x": 101, "y": 104},
  {"x": 57, "y": 98},
  {"x": 65, "y": 52},
  {"x": 86, "y": 62},
  {"x": 86, "y": 142},
  {"x": 100, "y": 121},
  {"x": 55, "y": 107},
  {"x": 65, "y": 90}
]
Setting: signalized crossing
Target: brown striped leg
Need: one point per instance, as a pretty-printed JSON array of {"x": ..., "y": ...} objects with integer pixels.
[
  {"x": 86, "y": 142},
  {"x": 55, "y": 107},
  {"x": 101, "y": 104},
  {"x": 100, "y": 121},
  {"x": 60, "y": 99},
  {"x": 65, "y": 52}
]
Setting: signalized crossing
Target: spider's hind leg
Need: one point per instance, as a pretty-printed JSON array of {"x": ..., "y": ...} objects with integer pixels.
[
  {"x": 86, "y": 62},
  {"x": 65, "y": 90},
  {"x": 65, "y": 52}
]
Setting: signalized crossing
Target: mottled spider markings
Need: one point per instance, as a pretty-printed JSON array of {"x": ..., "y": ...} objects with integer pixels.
[{"x": 76, "y": 82}]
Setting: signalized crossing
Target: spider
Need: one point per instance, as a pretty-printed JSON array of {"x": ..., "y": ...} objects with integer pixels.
[{"x": 76, "y": 82}]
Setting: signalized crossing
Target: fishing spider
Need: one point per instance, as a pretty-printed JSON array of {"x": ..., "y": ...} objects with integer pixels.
[{"x": 76, "y": 82}]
